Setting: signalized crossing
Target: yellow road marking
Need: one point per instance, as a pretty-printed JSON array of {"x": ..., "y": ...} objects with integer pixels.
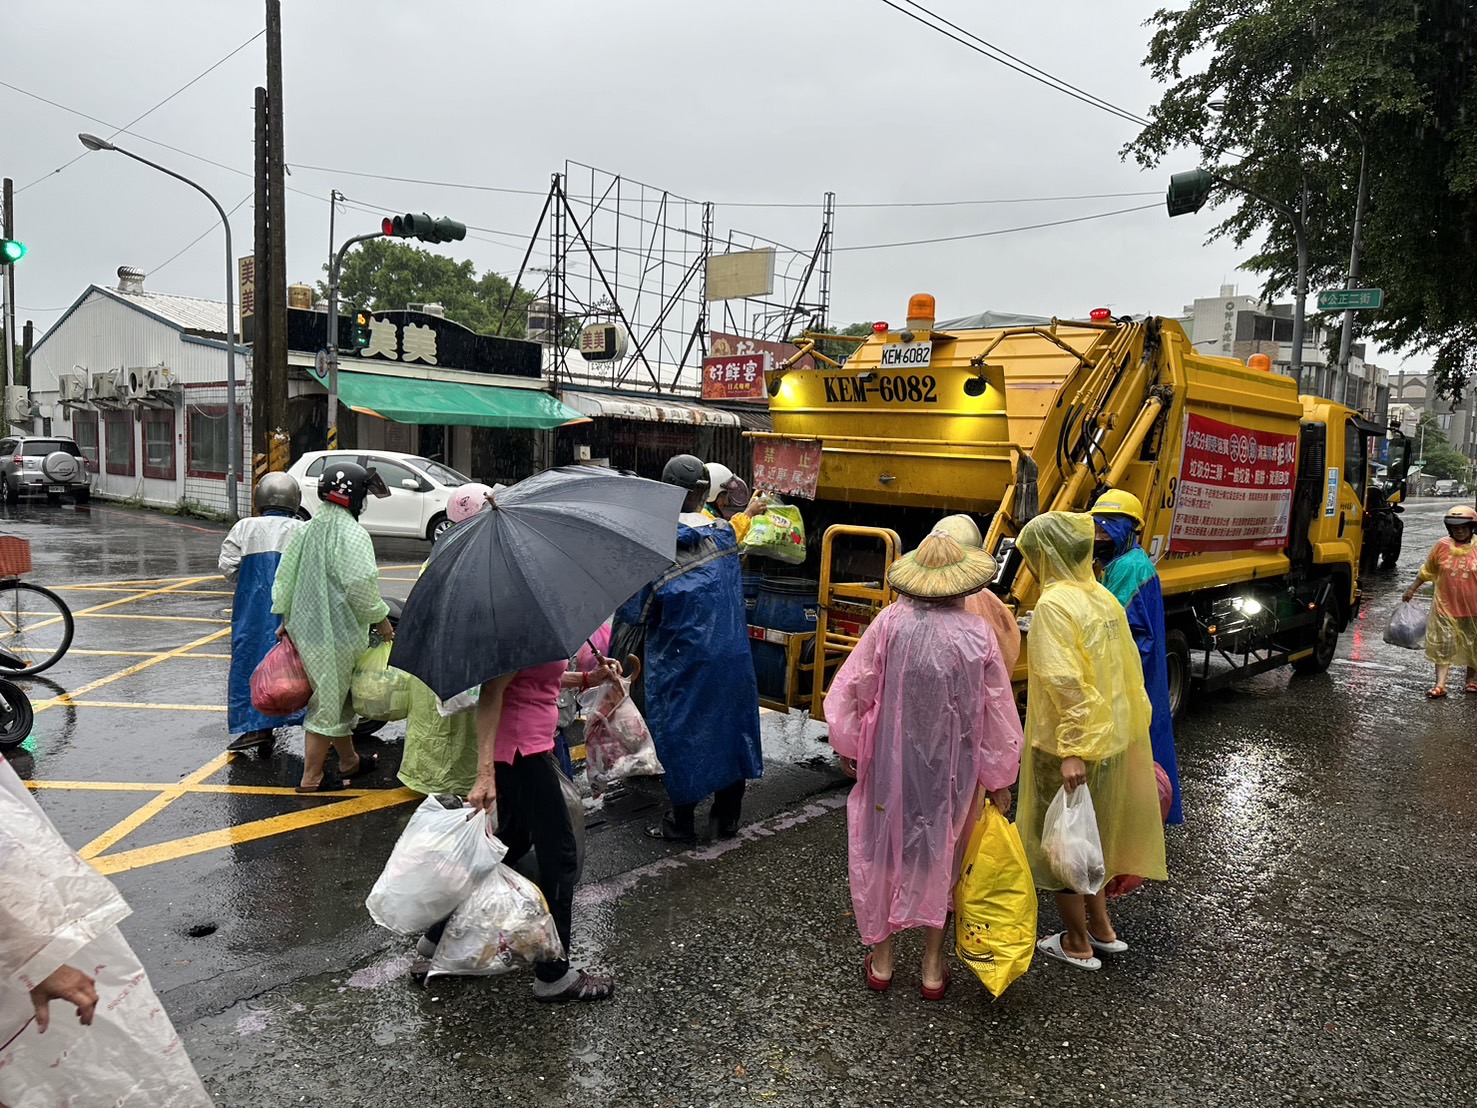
[
  {"x": 123, "y": 600},
  {"x": 146, "y": 619},
  {"x": 145, "y": 583},
  {"x": 153, "y": 787},
  {"x": 151, "y": 707},
  {"x": 68, "y": 697},
  {"x": 142, "y": 815},
  {"x": 248, "y": 832}
]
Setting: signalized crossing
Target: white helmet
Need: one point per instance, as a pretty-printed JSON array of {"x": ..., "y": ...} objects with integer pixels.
[{"x": 719, "y": 475}]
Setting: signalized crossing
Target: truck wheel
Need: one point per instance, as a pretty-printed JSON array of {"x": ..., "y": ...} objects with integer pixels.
[
  {"x": 1177, "y": 665},
  {"x": 1325, "y": 644},
  {"x": 1392, "y": 551}
]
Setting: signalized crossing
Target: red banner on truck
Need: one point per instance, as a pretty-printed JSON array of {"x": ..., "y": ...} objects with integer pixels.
[
  {"x": 791, "y": 467},
  {"x": 1234, "y": 489}
]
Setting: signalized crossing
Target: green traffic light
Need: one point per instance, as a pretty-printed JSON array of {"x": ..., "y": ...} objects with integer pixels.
[
  {"x": 11, "y": 251},
  {"x": 1189, "y": 191}
]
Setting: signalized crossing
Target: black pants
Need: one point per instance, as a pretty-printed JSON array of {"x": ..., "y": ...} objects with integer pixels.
[
  {"x": 532, "y": 815},
  {"x": 728, "y": 802}
]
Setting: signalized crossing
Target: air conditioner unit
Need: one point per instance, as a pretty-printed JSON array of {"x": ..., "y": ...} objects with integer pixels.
[
  {"x": 105, "y": 385},
  {"x": 17, "y": 406},
  {"x": 126, "y": 392},
  {"x": 69, "y": 387},
  {"x": 158, "y": 380}
]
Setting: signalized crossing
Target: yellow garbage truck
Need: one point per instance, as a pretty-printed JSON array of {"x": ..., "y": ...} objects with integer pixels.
[{"x": 1254, "y": 495}]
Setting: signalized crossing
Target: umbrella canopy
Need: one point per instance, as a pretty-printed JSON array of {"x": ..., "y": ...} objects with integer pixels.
[{"x": 525, "y": 581}]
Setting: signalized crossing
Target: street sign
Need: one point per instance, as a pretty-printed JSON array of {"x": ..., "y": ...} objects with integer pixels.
[{"x": 1341, "y": 300}]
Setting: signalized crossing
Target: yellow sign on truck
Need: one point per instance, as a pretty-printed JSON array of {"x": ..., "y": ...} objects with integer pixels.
[{"x": 1254, "y": 495}]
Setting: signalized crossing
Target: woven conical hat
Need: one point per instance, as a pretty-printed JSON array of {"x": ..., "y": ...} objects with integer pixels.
[{"x": 941, "y": 568}]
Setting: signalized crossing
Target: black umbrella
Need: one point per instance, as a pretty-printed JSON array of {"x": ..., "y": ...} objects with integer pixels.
[{"x": 527, "y": 580}]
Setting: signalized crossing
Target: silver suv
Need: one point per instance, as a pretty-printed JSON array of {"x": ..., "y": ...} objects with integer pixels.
[{"x": 54, "y": 466}]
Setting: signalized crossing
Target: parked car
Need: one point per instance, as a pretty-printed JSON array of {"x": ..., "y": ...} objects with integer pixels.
[
  {"x": 419, "y": 490},
  {"x": 52, "y": 465}
]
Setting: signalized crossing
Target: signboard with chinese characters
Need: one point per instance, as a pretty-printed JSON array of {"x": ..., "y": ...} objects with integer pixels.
[
  {"x": 417, "y": 339},
  {"x": 603, "y": 342},
  {"x": 722, "y": 344},
  {"x": 791, "y": 467},
  {"x": 739, "y": 377},
  {"x": 1357, "y": 300},
  {"x": 246, "y": 291},
  {"x": 1234, "y": 490}
]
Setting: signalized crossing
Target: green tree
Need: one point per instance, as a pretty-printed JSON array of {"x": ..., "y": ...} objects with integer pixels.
[
  {"x": 840, "y": 351},
  {"x": 1300, "y": 88},
  {"x": 384, "y": 276},
  {"x": 1441, "y": 460}
]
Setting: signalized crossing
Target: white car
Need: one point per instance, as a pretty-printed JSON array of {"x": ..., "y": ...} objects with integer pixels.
[{"x": 419, "y": 490}]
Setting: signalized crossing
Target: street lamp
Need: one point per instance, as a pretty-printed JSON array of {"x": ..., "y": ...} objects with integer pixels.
[{"x": 233, "y": 446}]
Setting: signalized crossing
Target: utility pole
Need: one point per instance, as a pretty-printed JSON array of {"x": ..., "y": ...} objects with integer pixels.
[
  {"x": 265, "y": 304},
  {"x": 1346, "y": 340},
  {"x": 275, "y": 364},
  {"x": 7, "y": 196}
]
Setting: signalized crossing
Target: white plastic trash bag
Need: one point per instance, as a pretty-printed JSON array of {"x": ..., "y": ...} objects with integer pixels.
[
  {"x": 504, "y": 922},
  {"x": 441, "y": 855},
  {"x": 1070, "y": 841},
  {"x": 1408, "y": 625},
  {"x": 618, "y": 743},
  {"x": 461, "y": 702}
]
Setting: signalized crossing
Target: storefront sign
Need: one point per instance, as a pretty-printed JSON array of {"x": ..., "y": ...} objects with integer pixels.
[
  {"x": 246, "y": 292},
  {"x": 737, "y": 377},
  {"x": 722, "y": 344},
  {"x": 417, "y": 339},
  {"x": 791, "y": 467},
  {"x": 603, "y": 342},
  {"x": 1234, "y": 490}
]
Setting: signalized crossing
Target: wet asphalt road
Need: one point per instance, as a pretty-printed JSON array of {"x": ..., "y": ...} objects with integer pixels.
[{"x": 1311, "y": 946}]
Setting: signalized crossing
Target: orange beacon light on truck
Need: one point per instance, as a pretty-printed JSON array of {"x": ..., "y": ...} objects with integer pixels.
[
  {"x": 921, "y": 312},
  {"x": 1259, "y": 362}
]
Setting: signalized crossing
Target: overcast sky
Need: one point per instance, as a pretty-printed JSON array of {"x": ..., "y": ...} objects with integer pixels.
[{"x": 763, "y": 101}]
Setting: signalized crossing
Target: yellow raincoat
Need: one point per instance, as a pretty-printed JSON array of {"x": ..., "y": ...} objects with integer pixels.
[
  {"x": 1085, "y": 698},
  {"x": 1451, "y": 631}
]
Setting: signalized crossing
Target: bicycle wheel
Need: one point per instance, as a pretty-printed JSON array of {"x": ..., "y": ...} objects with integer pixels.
[
  {"x": 35, "y": 628},
  {"x": 16, "y": 715}
]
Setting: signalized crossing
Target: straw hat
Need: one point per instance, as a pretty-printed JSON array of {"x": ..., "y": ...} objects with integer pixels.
[{"x": 941, "y": 568}]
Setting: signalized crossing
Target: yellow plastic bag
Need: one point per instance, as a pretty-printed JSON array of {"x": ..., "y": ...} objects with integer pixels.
[
  {"x": 995, "y": 903},
  {"x": 380, "y": 691}
]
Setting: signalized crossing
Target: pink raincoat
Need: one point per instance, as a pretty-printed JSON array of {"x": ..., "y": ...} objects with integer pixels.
[{"x": 924, "y": 707}]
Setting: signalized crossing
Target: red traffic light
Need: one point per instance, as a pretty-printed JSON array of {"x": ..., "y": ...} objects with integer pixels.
[{"x": 387, "y": 226}]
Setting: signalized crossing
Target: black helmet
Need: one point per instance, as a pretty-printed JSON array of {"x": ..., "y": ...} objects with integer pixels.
[
  {"x": 686, "y": 472},
  {"x": 347, "y": 484}
]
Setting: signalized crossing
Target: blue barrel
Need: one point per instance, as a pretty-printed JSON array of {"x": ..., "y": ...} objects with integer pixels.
[
  {"x": 783, "y": 604},
  {"x": 752, "y": 582}
]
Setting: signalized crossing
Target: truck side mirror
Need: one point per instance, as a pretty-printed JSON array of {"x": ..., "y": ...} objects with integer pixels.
[{"x": 1397, "y": 464}]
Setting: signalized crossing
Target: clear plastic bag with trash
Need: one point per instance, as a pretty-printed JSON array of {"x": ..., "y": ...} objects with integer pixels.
[
  {"x": 440, "y": 856},
  {"x": 1408, "y": 625},
  {"x": 1070, "y": 841},
  {"x": 618, "y": 743},
  {"x": 503, "y": 923},
  {"x": 380, "y": 690}
]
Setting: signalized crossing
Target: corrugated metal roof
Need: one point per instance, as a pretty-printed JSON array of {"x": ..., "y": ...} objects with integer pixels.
[{"x": 190, "y": 313}]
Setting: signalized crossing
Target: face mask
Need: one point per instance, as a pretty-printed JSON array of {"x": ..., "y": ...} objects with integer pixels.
[{"x": 1102, "y": 550}]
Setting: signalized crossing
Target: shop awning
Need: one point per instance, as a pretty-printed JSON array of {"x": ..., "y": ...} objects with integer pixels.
[
  {"x": 648, "y": 408},
  {"x": 414, "y": 400}
]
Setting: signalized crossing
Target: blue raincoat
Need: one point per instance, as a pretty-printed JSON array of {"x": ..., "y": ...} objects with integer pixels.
[
  {"x": 249, "y": 558},
  {"x": 701, "y": 703},
  {"x": 1131, "y": 577}
]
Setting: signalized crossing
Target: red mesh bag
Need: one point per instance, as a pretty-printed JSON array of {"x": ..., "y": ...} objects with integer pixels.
[{"x": 279, "y": 684}]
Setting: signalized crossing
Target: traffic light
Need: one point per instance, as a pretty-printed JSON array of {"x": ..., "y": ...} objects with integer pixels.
[
  {"x": 359, "y": 333},
  {"x": 1189, "y": 191},
  {"x": 423, "y": 227},
  {"x": 12, "y": 251}
]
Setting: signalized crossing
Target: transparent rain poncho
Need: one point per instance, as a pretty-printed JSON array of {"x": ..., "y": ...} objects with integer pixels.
[
  {"x": 924, "y": 706},
  {"x": 327, "y": 589},
  {"x": 1451, "y": 630},
  {"x": 1085, "y": 699}
]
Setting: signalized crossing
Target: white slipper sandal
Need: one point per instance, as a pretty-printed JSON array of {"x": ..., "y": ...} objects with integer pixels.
[
  {"x": 1117, "y": 946},
  {"x": 1052, "y": 945}
]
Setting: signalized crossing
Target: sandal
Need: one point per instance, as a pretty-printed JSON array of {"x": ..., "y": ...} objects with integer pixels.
[
  {"x": 366, "y": 764},
  {"x": 1471, "y": 687},
  {"x": 1437, "y": 693},
  {"x": 585, "y": 986},
  {"x": 875, "y": 983},
  {"x": 667, "y": 831},
  {"x": 327, "y": 785},
  {"x": 1115, "y": 946},
  {"x": 936, "y": 992},
  {"x": 1052, "y": 946}
]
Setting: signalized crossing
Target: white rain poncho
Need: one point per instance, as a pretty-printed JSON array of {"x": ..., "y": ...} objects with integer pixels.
[
  {"x": 328, "y": 591},
  {"x": 1085, "y": 698},
  {"x": 924, "y": 706},
  {"x": 56, "y": 910}
]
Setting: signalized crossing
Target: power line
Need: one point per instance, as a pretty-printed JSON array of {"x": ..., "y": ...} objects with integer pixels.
[
  {"x": 942, "y": 203},
  {"x": 201, "y": 235},
  {"x": 137, "y": 118},
  {"x": 1000, "y": 231},
  {"x": 1010, "y": 61},
  {"x": 420, "y": 180}
]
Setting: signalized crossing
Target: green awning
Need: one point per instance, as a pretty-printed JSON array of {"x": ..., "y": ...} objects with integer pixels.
[{"x": 413, "y": 400}]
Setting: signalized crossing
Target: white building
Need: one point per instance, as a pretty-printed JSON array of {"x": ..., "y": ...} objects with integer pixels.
[{"x": 139, "y": 380}]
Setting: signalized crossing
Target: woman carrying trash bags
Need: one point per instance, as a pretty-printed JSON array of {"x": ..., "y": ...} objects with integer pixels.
[
  {"x": 1087, "y": 726},
  {"x": 923, "y": 717},
  {"x": 1451, "y": 630}
]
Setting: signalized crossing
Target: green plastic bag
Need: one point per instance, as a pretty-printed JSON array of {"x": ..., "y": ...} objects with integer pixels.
[
  {"x": 778, "y": 533},
  {"x": 380, "y": 691}
]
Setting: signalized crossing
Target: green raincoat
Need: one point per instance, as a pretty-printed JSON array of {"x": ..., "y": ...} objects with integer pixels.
[{"x": 328, "y": 592}]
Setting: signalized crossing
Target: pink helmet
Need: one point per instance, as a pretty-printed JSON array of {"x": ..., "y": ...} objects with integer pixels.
[{"x": 467, "y": 501}]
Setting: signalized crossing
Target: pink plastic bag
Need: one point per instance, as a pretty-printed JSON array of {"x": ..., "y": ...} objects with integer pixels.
[
  {"x": 617, "y": 742},
  {"x": 279, "y": 684},
  {"x": 1125, "y": 883}
]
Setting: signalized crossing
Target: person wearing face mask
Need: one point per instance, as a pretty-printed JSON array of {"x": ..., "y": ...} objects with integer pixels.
[
  {"x": 729, "y": 499},
  {"x": 1451, "y": 631},
  {"x": 1129, "y": 575}
]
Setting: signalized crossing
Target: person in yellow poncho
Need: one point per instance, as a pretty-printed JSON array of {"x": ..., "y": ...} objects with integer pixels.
[
  {"x": 1087, "y": 723},
  {"x": 729, "y": 499}
]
